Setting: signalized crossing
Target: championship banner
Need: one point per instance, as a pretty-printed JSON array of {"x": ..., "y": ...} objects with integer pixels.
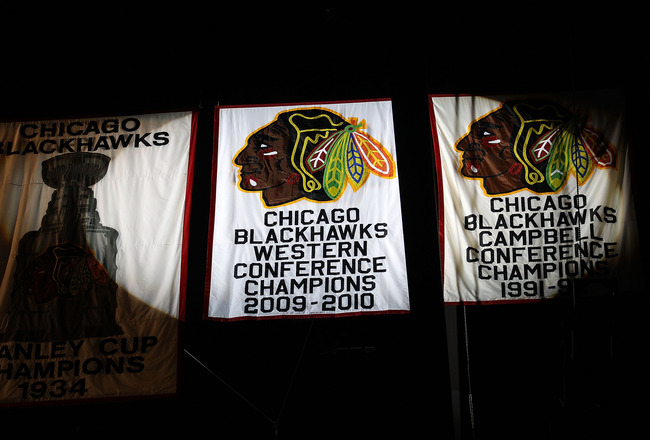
[
  {"x": 306, "y": 217},
  {"x": 93, "y": 229},
  {"x": 534, "y": 196}
]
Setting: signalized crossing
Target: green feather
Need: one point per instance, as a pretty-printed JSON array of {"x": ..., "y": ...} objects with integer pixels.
[
  {"x": 557, "y": 168},
  {"x": 334, "y": 177}
]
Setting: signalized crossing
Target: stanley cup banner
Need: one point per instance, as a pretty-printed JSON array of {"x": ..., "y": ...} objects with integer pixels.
[
  {"x": 534, "y": 196},
  {"x": 92, "y": 239},
  {"x": 306, "y": 217}
]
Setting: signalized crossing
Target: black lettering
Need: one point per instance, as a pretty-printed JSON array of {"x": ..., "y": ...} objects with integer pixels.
[
  {"x": 121, "y": 140},
  {"x": 42, "y": 147},
  {"x": 609, "y": 214},
  {"x": 28, "y": 131},
  {"x": 160, "y": 138},
  {"x": 470, "y": 222},
  {"x": 381, "y": 230},
  {"x": 241, "y": 236},
  {"x": 30, "y": 148},
  {"x": 141, "y": 139},
  {"x": 71, "y": 131},
  {"x": 135, "y": 364}
]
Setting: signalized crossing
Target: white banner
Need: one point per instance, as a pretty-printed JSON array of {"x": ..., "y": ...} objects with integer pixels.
[
  {"x": 92, "y": 238},
  {"x": 306, "y": 213},
  {"x": 533, "y": 195}
]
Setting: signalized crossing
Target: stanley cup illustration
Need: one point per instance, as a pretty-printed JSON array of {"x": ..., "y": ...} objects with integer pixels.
[{"x": 64, "y": 285}]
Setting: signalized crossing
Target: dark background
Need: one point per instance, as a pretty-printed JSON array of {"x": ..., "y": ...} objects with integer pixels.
[{"x": 547, "y": 371}]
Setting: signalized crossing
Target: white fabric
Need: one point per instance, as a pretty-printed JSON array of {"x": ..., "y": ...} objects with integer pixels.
[
  {"x": 375, "y": 206},
  {"x": 143, "y": 198},
  {"x": 480, "y": 265}
]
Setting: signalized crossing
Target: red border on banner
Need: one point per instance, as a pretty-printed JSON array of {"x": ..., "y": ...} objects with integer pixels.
[
  {"x": 439, "y": 183},
  {"x": 213, "y": 201},
  {"x": 208, "y": 271},
  {"x": 186, "y": 217}
]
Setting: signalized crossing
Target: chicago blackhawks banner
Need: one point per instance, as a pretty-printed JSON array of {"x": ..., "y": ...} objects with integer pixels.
[
  {"x": 534, "y": 194},
  {"x": 306, "y": 213},
  {"x": 91, "y": 243}
]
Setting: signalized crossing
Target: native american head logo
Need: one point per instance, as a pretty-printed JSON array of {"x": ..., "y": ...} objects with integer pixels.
[
  {"x": 310, "y": 153},
  {"x": 532, "y": 145}
]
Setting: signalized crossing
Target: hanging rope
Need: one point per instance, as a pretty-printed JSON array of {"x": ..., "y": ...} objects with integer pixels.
[
  {"x": 295, "y": 371},
  {"x": 275, "y": 423},
  {"x": 241, "y": 396},
  {"x": 469, "y": 379}
]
